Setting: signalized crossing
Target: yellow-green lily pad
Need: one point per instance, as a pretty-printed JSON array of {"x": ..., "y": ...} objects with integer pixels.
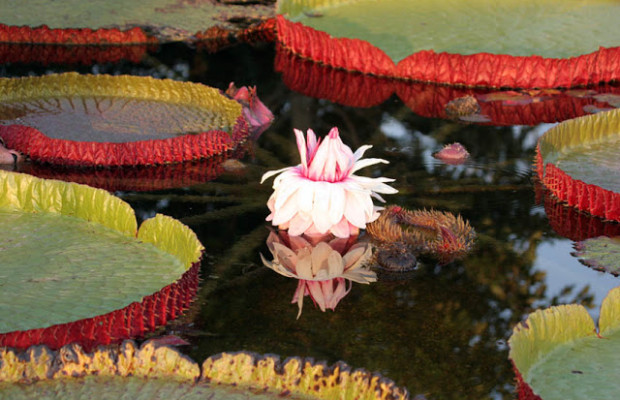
[
  {"x": 71, "y": 253},
  {"x": 560, "y": 354}
]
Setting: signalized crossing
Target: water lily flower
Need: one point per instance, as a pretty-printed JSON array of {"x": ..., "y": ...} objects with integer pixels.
[
  {"x": 453, "y": 154},
  {"x": 322, "y": 194},
  {"x": 258, "y": 116},
  {"x": 8, "y": 156},
  {"x": 325, "y": 268}
]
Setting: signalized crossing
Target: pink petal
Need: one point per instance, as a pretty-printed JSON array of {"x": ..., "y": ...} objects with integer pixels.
[
  {"x": 303, "y": 151},
  {"x": 355, "y": 210},
  {"x": 299, "y": 224}
]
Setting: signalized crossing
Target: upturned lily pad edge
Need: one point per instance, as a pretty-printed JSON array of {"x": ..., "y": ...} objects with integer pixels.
[
  {"x": 42, "y": 148},
  {"x": 243, "y": 370},
  {"x": 577, "y": 193},
  {"x": 476, "y": 70},
  {"x": 544, "y": 330},
  {"x": 30, "y": 194}
]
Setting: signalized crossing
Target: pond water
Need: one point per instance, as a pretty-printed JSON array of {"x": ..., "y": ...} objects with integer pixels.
[{"x": 440, "y": 330}]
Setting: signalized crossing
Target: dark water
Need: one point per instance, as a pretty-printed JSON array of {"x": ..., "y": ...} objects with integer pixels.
[{"x": 440, "y": 330}]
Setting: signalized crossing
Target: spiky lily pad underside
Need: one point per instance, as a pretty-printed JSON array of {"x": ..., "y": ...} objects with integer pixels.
[
  {"x": 559, "y": 355},
  {"x": 103, "y": 120},
  {"x": 158, "y": 372},
  {"x": 511, "y": 44},
  {"x": 578, "y": 161},
  {"x": 117, "y": 22},
  {"x": 440, "y": 234},
  {"x": 506, "y": 107},
  {"x": 77, "y": 268}
]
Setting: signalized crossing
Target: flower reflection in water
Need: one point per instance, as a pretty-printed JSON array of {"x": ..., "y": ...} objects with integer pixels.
[{"x": 325, "y": 266}]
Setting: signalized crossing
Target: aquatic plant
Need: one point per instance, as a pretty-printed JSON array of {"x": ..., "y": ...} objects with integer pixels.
[
  {"x": 322, "y": 194},
  {"x": 8, "y": 156},
  {"x": 76, "y": 267},
  {"x": 437, "y": 233},
  {"x": 577, "y": 161},
  {"x": 153, "y": 371},
  {"x": 126, "y": 120},
  {"x": 447, "y": 47},
  {"x": 559, "y": 353},
  {"x": 258, "y": 116},
  {"x": 454, "y": 154},
  {"x": 324, "y": 266},
  {"x": 497, "y": 107}
]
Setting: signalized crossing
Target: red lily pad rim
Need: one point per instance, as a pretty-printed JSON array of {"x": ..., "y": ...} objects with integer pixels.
[
  {"x": 475, "y": 70},
  {"x": 429, "y": 99},
  {"x": 82, "y": 36},
  {"x": 42, "y": 148},
  {"x": 577, "y": 193}
]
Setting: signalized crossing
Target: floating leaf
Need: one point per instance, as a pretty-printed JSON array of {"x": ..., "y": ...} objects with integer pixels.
[
  {"x": 601, "y": 253},
  {"x": 76, "y": 267},
  {"x": 558, "y": 354},
  {"x": 577, "y": 160},
  {"x": 117, "y": 120},
  {"x": 534, "y": 44},
  {"x": 569, "y": 222},
  {"x": 429, "y": 100},
  {"x": 159, "y": 372},
  {"x": 116, "y": 22}
]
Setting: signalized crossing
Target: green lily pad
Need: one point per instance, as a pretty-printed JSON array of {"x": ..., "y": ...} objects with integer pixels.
[
  {"x": 542, "y": 44},
  {"x": 159, "y": 372},
  {"x": 559, "y": 355},
  {"x": 601, "y": 253},
  {"x": 72, "y": 253},
  {"x": 167, "y": 20},
  {"x": 577, "y": 160},
  {"x": 548, "y": 28}
]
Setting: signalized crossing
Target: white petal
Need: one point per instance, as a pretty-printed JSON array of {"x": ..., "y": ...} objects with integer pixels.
[
  {"x": 321, "y": 206},
  {"x": 269, "y": 174},
  {"x": 286, "y": 212},
  {"x": 284, "y": 192},
  {"x": 366, "y": 163},
  {"x": 305, "y": 196},
  {"x": 301, "y": 147},
  {"x": 299, "y": 224},
  {"x": 336, "y": 203},
  {"x": 360, "y": 152},
  {"x": 355, "y": 211}
]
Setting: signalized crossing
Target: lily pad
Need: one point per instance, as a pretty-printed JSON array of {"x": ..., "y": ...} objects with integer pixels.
[
  {"x": 512, "y": 44},
  {"x": 103, "y": 120},
  {"x": 501, "y": 107},
  {"x": 116, "y": 22},
  {"x": 577, "y": 160},
  {"x": 571, "y": 223},
  {"x": 601, "y": 253},
  {"x": 75, "y": 266},
  {"x": 159, "y": 372},
  {"x": 558, "y": 353}
]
